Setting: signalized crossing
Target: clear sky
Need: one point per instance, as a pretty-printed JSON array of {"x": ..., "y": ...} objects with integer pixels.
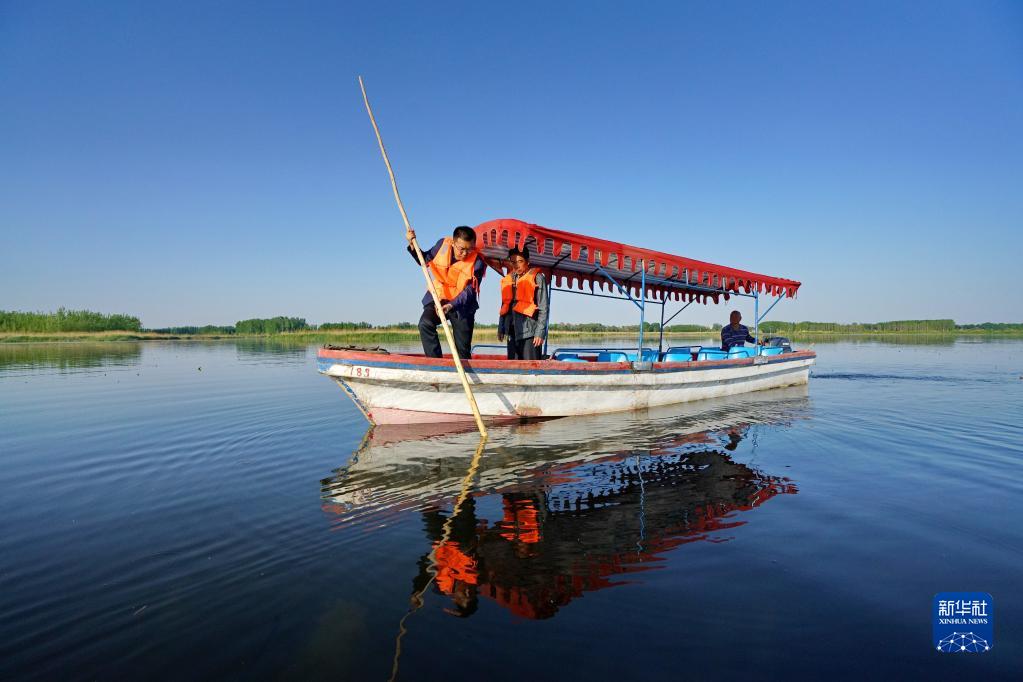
[{"x": 197, "y": 163}]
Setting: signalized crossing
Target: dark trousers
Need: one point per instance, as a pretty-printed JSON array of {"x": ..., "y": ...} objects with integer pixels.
[
  {"x": 523, "y": 350},
  {"x": 461, "y": 328}
]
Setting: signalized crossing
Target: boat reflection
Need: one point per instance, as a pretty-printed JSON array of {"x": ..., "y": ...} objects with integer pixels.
[{"x": 563, "y": 507}]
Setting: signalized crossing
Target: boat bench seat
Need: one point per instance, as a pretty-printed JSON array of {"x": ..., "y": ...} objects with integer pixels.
[
  {"x": 718, "y": 354},
  {"x": 595, "y": 355},
  {"x": 678, "y": 357}
]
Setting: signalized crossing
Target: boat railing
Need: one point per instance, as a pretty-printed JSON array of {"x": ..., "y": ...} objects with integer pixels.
[
  {"x": 672, "y": 354},
  {"x": 500, "y": 346},
  {"x": 697, "y": 353},
  {"x": 602, "y": 354}
]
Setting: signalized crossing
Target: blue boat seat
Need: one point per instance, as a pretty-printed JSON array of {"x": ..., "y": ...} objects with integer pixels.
[
  {"x": 649, "y": 355},
  {"x": 678, "y": 357},
  {"x": 711, "y": 354},
  {"x": 772, "y": 350},
  {"x": 612, "y": 356},
  {"x": 570, "y": 358},
  {"x": 740, "y": 353},
  {"x": 685, "y": 353}
]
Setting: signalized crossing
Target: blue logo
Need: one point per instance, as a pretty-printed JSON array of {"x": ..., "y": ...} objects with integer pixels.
[{"x": 963, "y": 622}]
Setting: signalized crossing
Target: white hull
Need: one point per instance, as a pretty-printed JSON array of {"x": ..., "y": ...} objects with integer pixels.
[{"x": 394, "y": 389}]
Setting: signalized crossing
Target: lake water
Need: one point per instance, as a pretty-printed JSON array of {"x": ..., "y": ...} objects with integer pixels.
[{"x": 218, "y": 511}]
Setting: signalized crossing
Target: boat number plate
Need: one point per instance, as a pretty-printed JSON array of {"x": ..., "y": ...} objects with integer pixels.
[{"x": 361, "y": 371}]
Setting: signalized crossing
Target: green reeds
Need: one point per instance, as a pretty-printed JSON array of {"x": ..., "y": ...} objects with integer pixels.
[{"x": 65, "y": 320}]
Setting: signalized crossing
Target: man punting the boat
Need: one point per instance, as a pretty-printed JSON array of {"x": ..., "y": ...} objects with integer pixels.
[
  {"x": 457, "y": 268},
  {"x": 523, "y": 308}
]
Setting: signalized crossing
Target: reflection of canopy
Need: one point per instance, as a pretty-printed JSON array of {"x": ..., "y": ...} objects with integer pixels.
[{"x": 578, "y": 259}]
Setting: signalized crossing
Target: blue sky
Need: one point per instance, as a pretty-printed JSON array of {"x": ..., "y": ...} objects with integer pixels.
[{"x": 208, "y": 162}]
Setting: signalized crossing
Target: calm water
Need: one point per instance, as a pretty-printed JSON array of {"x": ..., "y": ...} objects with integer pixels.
[{"x": 218, "y": 511}]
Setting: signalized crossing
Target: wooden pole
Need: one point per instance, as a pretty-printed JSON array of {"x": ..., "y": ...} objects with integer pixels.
[{"x": 426, "y": 274}]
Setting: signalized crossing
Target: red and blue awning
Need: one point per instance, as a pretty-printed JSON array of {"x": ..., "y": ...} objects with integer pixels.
[{"x": 578, "y": 261}]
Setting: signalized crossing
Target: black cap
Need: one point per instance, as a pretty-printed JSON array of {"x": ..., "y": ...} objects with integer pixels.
[{"x": 516, "y": 251}]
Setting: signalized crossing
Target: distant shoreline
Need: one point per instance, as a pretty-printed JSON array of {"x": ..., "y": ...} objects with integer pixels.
[{"x": 484, "y": 334}]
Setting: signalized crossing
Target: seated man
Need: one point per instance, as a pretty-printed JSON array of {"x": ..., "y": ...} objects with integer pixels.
[
  {"x": 457, "y": 269},
  {"x": 523, "y": 308},
  {"x": 735, "y": 335}
]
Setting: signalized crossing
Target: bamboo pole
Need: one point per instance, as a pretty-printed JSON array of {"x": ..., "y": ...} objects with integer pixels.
[{"x": 426, "y": 274}]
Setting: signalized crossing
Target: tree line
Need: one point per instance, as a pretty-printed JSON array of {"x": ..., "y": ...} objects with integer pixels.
[
  {"x": 932, "y": 326},
  {"x": 64, "y": 320}
]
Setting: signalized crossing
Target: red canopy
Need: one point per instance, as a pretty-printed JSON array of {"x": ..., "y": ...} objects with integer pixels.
[{"x": 577, "y": 260}]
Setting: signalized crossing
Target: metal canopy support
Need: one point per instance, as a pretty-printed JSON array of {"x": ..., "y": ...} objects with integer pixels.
[
  {"x": 761, "y": 317},
  {"x": 550, "y": 289},
  {"x": 660, "y": 336},
  {"x": 642, "y": 309},
  {"x": 620, "y": 287},
  {"x": 677, "y": 312},
  {"x": 756, "y": 322},
  {"x": 660, "y": 339},
  {"x": 547, "y": 325}
]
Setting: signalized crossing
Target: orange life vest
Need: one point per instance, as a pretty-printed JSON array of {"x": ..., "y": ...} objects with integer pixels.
[
  {"x": 451, "y": 278},
  {"x": 525, "y": 293},
  {"x": 453, "y": 565}
]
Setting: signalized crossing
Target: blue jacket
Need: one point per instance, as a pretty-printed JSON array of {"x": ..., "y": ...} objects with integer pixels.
[{"x": 731, "y": 338}]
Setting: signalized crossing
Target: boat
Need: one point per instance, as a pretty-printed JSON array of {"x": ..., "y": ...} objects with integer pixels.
[{"x": 406, "y": 388}]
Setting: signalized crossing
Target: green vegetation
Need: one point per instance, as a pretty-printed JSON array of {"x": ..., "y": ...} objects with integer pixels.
[
  {"x": 894, "y": 327},
  {"x": 65, "y": 320},
  {"x": 897, "y": 326},
  {"x": 208, "y": 330},
  {"x": 83, "y": 325},
  {"x": 273, "y": 325},
  {"x": 991, "y": 327}
]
